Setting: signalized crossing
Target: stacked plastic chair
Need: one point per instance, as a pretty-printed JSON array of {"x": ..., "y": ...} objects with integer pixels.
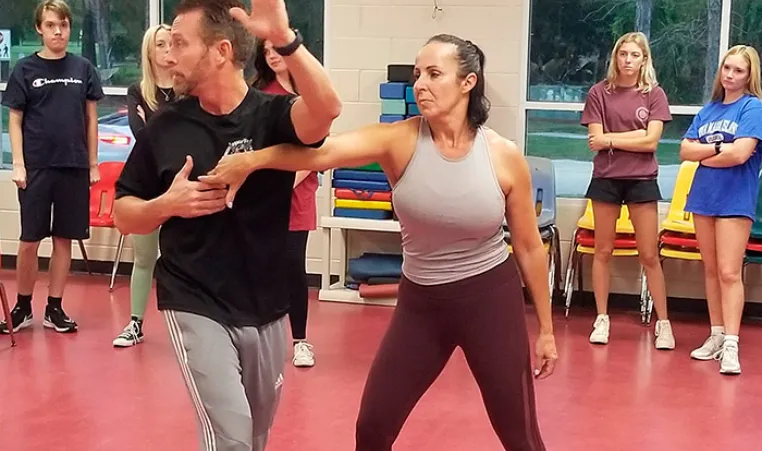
[
  {"x": 584, "y": 244},
  {"x": 544, "y": 185},
  {"x": 677, "y": 238},
  {"x": 754, "y": 248}
]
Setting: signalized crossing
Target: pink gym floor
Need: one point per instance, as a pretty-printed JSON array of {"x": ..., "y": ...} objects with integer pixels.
[{"x": 76, "y": 392}]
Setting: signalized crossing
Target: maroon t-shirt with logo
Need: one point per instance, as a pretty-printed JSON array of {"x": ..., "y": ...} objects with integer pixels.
[{"x": 625, "y": 110}]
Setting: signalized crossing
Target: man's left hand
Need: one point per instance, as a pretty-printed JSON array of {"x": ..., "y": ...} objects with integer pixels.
[
  {"x": 268, "y": 20},
  {"x": 95, "y": 175}
]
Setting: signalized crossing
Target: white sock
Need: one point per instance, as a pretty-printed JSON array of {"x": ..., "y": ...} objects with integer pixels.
[
  {"x": 718, "y": 330},
  {"x": 731, "y": 339}
]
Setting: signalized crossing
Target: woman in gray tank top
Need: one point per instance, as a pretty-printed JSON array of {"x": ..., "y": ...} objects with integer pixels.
[{"x": 453, "y": 183}]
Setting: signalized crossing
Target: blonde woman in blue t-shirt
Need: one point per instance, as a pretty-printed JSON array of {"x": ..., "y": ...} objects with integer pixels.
[{"x": 725, "y": 137}]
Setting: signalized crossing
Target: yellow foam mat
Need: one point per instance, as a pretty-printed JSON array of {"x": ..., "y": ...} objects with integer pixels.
[
  {"x": 680, "y": 255},
  {"x": 678, "y": 226},
  {"x": 617, "y": 252},
  {"x": 546, "y": 245},
  {"x": 364, "y": 204}
]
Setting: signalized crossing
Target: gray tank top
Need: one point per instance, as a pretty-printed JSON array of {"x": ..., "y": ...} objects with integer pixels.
[{"x": 451, "y": 213}]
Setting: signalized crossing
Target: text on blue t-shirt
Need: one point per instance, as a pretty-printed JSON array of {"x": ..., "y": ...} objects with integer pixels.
[{"x": 730, "y": 191}]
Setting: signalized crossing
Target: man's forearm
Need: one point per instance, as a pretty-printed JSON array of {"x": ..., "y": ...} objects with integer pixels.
[
  {"x": 133, "y": 215},
  {"x": 17, "y": 138},
  {"x": 312, "y": 81}
]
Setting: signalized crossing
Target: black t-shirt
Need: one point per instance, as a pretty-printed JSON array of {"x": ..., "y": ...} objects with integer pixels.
[
  {"x": 135, "y": 98},
  {"x": 52, "y": 94},
  {"x": 229, "y": 266}
]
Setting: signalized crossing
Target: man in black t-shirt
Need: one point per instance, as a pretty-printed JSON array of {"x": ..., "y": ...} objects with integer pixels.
[
  {"x": 53, "y": 126},
  {"x": 221, "y": 277}
]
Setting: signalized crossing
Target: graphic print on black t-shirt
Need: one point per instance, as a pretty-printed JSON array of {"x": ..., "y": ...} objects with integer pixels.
[
  {"x": 229, "y": 266},
  {"x": 239, "y": 146},
  {"x": 52, "y": 95}
]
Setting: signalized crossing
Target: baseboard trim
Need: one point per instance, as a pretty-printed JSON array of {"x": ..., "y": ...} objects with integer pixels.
[
  {"x": 124, "y": 269},
  {"x": 581, "y": 300}
]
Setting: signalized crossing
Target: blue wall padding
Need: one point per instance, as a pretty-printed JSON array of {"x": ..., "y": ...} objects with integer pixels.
[
  {"x": 392, "y": 90},
  {"x": 388, "y": 118},
  {"x": 393, "y": 106},
  {"x": 409, "y": 96}
]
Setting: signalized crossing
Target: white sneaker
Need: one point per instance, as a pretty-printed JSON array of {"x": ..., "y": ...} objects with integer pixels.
[
  {"x": 303, "y": 355},
  {"x": 665, "y": 339},
  {"x": 600, "y": 333},
  {"x": 131, "y": 335},
  {"x": 728, "y": 358},
  {"x": 710, "y": 349}
]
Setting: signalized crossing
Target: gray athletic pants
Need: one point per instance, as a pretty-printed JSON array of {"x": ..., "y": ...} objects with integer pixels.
[{"x": 234, "y": 376}]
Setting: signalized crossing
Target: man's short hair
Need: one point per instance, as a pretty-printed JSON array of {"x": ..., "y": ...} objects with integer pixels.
[
  {"x": 59, "y": 7},
  {"x": 218, "y": 24}
]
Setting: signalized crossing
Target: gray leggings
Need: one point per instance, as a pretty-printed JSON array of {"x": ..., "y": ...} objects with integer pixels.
[{"x": 234, "y": 376}]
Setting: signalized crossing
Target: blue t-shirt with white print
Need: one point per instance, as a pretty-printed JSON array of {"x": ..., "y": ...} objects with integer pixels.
[{"x": 728, "y": 191}]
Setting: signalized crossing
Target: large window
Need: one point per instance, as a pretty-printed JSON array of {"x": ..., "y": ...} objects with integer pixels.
[
  {"x": 305, "y": 15},
  {"x": 570, "y": 44},
  {"x": 107, "y": 32}
]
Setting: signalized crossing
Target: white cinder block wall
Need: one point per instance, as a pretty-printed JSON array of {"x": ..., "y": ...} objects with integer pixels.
[{"x": 362, "y": 37}]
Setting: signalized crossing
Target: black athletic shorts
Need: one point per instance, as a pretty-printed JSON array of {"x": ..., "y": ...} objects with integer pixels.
[
  {"x": 62, "y": 192},
  {"x": 623, "y": 191}
]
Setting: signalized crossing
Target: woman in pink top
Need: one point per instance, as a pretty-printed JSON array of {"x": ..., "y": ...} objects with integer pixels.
[
  {"x": 625, "y": 116},
  {"x": 272, "y": 76}
]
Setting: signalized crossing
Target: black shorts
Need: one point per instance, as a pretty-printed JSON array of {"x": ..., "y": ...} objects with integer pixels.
[
  {"x": 623, "y": 191},
  {"x": 64, "y": 192}
]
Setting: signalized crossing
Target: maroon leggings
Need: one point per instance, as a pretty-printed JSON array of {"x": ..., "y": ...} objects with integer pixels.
[{"x": 484, "y": 315}]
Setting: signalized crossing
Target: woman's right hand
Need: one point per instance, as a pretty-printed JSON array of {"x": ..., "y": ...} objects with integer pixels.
[
  {"x": 141, "y": 113},
  {"x": 545, "y": 355},
  {"x": 232, "y": 170},
  {"x": 19, "y": 176}
]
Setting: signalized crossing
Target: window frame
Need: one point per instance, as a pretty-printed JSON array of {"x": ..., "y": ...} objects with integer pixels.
[{"x": 527, "y": 105}]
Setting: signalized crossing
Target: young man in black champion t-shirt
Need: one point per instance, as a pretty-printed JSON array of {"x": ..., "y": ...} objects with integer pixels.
[
  {"x": 53, "y": 125},
  {"x": 221, "y": 278}
]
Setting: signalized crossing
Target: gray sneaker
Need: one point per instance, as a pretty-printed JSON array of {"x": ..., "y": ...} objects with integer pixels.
[
  {"x": 728, "y": 358},
  {"x": 710, "y": 349}
]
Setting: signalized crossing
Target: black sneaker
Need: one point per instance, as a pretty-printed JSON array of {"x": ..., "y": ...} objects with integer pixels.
[
  {"x": 131, "y": 335},
  {"x": 21, "y": 317},
  {"x": 55, "y": 318}
]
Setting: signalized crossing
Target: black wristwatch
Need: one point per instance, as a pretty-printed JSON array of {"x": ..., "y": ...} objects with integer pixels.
[
  {"x": 717, "y": 147},
  {"x": 289, "y": 49}
]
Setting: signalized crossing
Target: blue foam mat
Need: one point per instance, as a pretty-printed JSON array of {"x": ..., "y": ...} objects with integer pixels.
[{"x": 353, "y": 174}]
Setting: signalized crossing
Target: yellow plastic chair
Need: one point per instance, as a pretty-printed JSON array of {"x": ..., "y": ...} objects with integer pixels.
[
  {"x": 679, "y": 220},
  {"x": 573, "y": 268},
  {"x": 623, "y": 224}
]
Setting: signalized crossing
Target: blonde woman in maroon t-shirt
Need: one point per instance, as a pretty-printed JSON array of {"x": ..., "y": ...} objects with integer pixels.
[
  {"x": 625, "y": 116},
  {"x": 272, "y": 76}
]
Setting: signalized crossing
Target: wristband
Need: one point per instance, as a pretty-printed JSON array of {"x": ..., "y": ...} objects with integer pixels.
[{"x": 289, "y": 49}]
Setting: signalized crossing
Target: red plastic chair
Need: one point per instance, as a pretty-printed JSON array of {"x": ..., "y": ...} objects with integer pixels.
[
  {"x": 677, "y": 239},
  {"x": 102, "y": 197},
  {"x": 622, "y": 241}
]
